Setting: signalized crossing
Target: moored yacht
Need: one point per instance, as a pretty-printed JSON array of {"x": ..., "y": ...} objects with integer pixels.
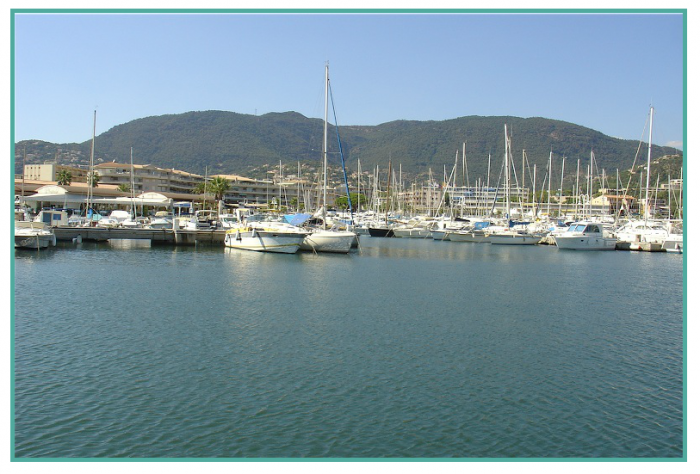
[
  {"x": 585, "y": 235},
  {"x": 33, "y": 235},
  {"x": 514, "y": 237},
  {"x": 258, "y": 234},
  {"x": 641, "y": 235},
  {"x": 328, "y": 240}
]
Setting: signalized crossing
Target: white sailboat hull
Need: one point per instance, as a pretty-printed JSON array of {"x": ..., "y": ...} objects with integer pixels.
[
  {"x": 329, "y": 241},
  {"x": 412, "y": 233},
  {"x": 514, "y": 238},
  {"x": 477, "y": 237}
]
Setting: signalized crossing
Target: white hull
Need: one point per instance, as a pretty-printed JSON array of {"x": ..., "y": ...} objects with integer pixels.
[
  {"x": 440, "y": 235},
  {"x": 585, "y": 243},
  {"x": 33, "y": 235},
  {"x": 412, "y": 233},
  {"x": 514, "y": 239},
  {"x": 476, "y": 237},
  {"x": 34, "y": 241},
  {"x": 674, "y": 243},
  {"x": 264, "y": 241},
  {"x": 329, "y": 241}
]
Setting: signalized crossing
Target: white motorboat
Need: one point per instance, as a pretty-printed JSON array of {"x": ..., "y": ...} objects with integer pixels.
[
  {"x": 161, "y": 220},
  {"x": 202, "y": 220},
  {"x": 641, "y": 235},
  {"x": 261, "y": 235},
  {"x": 33, "y": 235},
  {"x": 586, "y": 235},
  {"x": 673, "y": 243}
]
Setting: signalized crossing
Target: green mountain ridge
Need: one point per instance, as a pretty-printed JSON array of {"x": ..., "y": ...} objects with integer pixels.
[{"x": 233, "y": 143}]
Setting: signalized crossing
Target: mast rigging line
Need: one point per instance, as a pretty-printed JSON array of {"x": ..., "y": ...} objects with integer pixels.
[{"x": 340, "y": 148}]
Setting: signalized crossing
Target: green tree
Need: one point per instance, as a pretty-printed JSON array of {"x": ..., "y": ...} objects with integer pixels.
[
  {"x": 125, "y": 188},
  {"x": 218, "y": 186},
  {"x": 64, "y": 178},
  {"x": 199, "y": 189},
  {"x": 294, "y": 203},
  {"x": 356, "y": 200}
]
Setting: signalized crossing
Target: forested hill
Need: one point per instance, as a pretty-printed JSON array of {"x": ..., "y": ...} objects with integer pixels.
[{"x": 227, "y": 142}]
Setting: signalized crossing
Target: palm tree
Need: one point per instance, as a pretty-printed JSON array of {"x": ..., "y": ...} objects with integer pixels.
[
  {"x": 125, "y": 188},
  {"x": 200, "y": 188},
  {"x": 219, "y": 186},
  {"x": 64, "y": 178}
]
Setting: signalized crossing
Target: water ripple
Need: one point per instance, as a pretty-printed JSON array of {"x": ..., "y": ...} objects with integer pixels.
[{"x": 419, "y": 350}]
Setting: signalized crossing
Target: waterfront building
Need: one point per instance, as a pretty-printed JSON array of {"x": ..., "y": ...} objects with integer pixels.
[
  {"x": 148, "y": 178},
  {"x": 613, "y": 203},
  {"x": 50, "y": 172}
]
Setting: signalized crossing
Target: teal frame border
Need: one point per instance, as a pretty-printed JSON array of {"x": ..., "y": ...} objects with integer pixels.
[{"x": 683, "y": 11}]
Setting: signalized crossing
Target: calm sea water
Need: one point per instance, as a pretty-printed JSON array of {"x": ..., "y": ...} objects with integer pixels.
[{"x": 407, "y": 348}]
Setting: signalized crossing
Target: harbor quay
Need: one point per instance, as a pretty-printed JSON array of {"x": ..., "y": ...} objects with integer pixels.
[{"x": 156, "y": 236}]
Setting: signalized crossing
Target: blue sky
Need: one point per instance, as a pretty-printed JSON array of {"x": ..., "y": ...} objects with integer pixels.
[{"x": 601, "y": 71}]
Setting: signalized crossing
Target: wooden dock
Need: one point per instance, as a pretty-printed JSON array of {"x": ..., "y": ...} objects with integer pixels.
[{"x": 156, "y": 236}]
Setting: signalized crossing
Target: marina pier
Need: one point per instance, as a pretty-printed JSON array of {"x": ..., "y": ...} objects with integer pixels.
[{"x": 156, "y": 236}]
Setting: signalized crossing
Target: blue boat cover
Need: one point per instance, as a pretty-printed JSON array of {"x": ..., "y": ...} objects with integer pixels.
[
  {"x": 513, "y": 223},
  {"x": 296, "y": 219}
]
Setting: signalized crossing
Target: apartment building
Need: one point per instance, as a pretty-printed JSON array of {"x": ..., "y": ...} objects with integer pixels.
[
  {"x": 50, "y": 171},
  {"x": 148, "y": 178}
]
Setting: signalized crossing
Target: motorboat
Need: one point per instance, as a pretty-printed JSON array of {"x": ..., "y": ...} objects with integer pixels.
[
  {"x": 641, "y": 234},
  {"x": 586, "y": 235},
  {"x": 161, "y": 220},
  {"x": 258, "y": 234},
  {"x": 33, "y": 235},
  {"x": 674, "y": 241},
  {"x": 202, "y": 220}
]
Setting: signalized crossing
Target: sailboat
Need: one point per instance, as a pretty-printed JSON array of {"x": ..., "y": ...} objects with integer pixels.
[
  {"x": 510, "y": 236},
  {"x": 131, "y": 221},
  {"x": 643, "y": 234},
  {"x": 323, "y": 239},
  {"x": 89, "y": 220}
]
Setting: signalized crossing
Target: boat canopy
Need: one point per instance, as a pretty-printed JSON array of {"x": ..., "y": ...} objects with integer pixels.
[{"x": 296, "y": 219}]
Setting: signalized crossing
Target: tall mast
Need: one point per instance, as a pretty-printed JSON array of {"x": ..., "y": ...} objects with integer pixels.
[
  {"x": 680, "y": 195},
  {"x": 133, "y": 197},
  {"x": 549, "y": 183},
  {"x": 578, "y": 171},
  {"x": 88, "y": 201},
  {"x": 535, "y": 208},
  {"x": 24, "y": 168},
  {"x": 651, "y": 126},
  {"x": 561, "y": 186},
  {"x": 325, "y": 147},
  {"x": 507, "y": 169}
]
